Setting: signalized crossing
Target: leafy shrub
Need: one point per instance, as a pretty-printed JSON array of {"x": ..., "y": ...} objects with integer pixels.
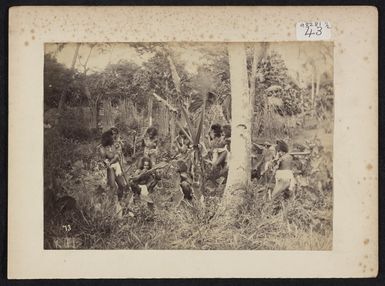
[
  {"x": 261, "y": 225},
  {"x": 73, "y": 125},
  {"x": 126, "y": 126}
]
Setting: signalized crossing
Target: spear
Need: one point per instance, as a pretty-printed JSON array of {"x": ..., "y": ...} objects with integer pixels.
[{"x": 153, "y": 169}]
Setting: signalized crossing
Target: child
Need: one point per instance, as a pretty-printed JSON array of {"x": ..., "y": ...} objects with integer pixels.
[
  {"x": 216, "y": 143},
  {"x": 284, "y": 177},
  {"x": 186, "y": 181},
  {"x": 182, "y": 143},
  {"x": 224, "y": 152},
  {"x": 118, "y": 143},
  {"x": 144, "y": 181}
]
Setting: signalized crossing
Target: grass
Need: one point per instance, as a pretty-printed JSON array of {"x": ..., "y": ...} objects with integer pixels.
[{"x": 298, "y": 221}]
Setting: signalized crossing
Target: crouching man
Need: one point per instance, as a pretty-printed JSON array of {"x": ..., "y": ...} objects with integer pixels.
[
  {"x": 185, "y": 181},
  {"x": 284, "y": 177},
  {"x": 144, "y": 181}
]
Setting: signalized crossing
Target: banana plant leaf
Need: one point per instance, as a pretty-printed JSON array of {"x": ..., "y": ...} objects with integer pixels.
[{"x": 189, "y": 125}]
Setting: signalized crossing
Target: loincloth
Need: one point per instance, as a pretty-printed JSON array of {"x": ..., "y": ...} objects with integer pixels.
[
  {"x": 116, "y": 168},
  {"x": 144, "y": 194},
  {"x": 285, "y": 177}
]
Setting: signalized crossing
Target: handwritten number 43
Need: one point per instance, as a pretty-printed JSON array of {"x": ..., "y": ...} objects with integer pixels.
[{"x": 309, "y": 31}]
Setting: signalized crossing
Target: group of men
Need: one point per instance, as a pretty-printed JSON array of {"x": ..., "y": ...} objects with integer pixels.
[
  {"x": 215, "y": 153},
  {"x": 143, "y": 180}
]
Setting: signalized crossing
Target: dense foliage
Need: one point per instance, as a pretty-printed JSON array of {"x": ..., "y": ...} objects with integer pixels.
[{"x": 79, "y": 207}]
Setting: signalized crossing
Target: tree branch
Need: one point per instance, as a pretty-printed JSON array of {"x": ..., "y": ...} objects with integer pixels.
[{"x": 164, "y": 102}]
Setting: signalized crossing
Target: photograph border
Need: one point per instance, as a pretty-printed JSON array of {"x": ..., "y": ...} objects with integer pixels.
[{"x": 380, "y": 126}]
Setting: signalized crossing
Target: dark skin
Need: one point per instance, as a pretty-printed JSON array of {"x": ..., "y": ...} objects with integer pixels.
[
  {"x": 185, "y": 182},
  {"x": 149, "y": 179},
  {"x": 111, "y": 156},
  {"x": 225, "y": 141},
  {"x": 285, "y": 161},
  {"x": 182, "y": 143},
  {"x": 142, "y": 179},
  {"x": 220, "y": 142},
  {"x": 151, "y": 144}
]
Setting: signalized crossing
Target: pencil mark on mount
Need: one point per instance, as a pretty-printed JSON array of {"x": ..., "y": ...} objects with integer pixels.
[{"x": 139, "y": 152}]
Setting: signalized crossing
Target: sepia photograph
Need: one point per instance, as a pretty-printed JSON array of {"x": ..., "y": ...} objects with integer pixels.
[
  {"x": 192, "y": 142},
  {"x": 208, "y": 146}
]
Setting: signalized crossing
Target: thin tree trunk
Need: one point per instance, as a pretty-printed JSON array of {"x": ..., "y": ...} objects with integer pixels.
[
  {"x": 172, "y": 123},
  {"x": 93, "y": 104},
  {"x": 166, "y": 120},
  {"x": 108, "y": 116},
  {"x": 177, "y": 84},
  {"x": 94, "y": 116},
  {"x": 317, "y": 86},
  {"x": 127, "y": 112},
  {"x": 149, "y": 110},
  {"x": 312, "y": 92},
  {"x": 134, "y": 143},
  {"x": 254, "y": 74},
  {"x": 99, "y": 115},
  {"x": 172, "y": 127},
  {"x": 174, "y": 75},
  {"x": 240, "y": 163},
  {"x": 162, "y": 114},
  {"x": 259, "y": 52},
  {"x": 63, "y": 96}
]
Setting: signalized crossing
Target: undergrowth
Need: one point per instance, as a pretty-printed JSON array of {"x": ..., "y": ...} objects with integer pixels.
[{"x": 299, "y": 220}]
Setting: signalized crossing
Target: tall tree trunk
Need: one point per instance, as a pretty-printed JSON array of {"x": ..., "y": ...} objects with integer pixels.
[
  {"x": 99, "y": 108},
  {"x": 93, "y": 104},
  {"x": 166, "y": 120},
  {"x": 174, "y": 75},
  {"x": 63, "y": 96},
  {"x": 94, "y": 116},
  {"x": 149, "y": 110},
  {"x": 171, "y": 124},
  {"x": 240, "y": 163},
  {"x": 172, "y": 127},
  {"x": 312, "y": 92},
  {"x": 122, "y": 109},
  {"x": 171, "y": 114},
  {"x": 317, "y": 86},
  {"x": 176, "y": 80},
  {"x": 108, "y": 114},
  {"x": 259, "y": 52},
  {"x": 130, "y": 114},
  {"x": 299, "y": 80}
]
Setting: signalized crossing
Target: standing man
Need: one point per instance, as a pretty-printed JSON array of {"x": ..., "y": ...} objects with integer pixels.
[
  {"x": 111, "y": 153},
  {"x": 284, "y": 177}
]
